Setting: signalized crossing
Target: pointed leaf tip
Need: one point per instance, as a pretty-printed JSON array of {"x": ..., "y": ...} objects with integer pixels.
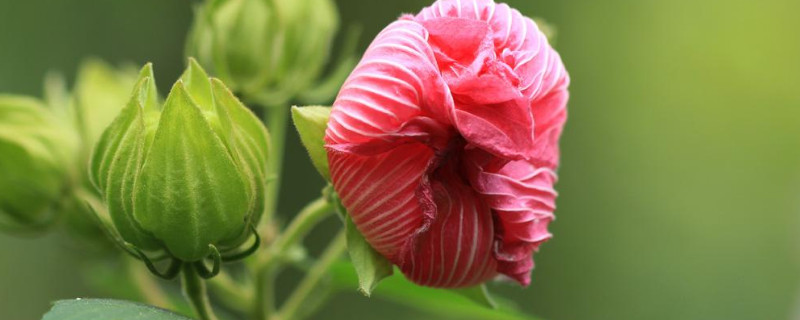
[
  {"x": 371, "y": 267},
  {"x": 145, "y": 89},
  {"x": 477, "y": 294},
  {"x": 198, "y": 84},
  {"x": 311, "y": 123}
]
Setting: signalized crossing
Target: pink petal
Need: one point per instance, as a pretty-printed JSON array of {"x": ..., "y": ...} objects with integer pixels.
[
  {"x": 387, "y": 195},
  {"x": 456, "y": 250},
  {"x": 523, "y": 199},
  {"x": 396, "y": 81}
]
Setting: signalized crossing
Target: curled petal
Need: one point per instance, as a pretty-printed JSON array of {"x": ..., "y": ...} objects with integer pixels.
[
  {"x": 396, "y": 81},
  {"x": 523, "y": 199}
]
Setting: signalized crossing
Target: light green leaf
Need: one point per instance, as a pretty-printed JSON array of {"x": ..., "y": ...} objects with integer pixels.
[
  {"x": 444, "y": 304},
  {"x": 478, "y": 294},
  {"x": 103, "y": 309},
  {"x": 311, "y": 123}
]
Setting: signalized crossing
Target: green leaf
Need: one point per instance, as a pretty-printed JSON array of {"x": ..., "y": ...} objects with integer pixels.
[
  {"x": 478, "y": 294},
  {"x": 103, "y": 309},
  {"x": 444, "y": 304},
  {"x": 311, "y": 123}
]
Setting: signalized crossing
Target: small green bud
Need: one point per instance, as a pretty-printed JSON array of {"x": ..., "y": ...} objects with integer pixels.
[
  {"x": 100, "y": 92},
  {"x": 271, "y": 48},
  {"x": 186, "y": 175},
  {"x": 37, "y": 154}
]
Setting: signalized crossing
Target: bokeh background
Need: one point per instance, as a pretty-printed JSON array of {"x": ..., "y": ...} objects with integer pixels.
[{"x": 680, "y": 184}]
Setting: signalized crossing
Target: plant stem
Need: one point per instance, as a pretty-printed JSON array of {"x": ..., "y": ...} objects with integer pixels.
[
  {"x": 194, "y": 289},
  {"x": 307, "y": 218},
  {"x": 231, "y": 293},
  {"x": 309, "y": 283},
  {"x": 276, "y": 122},
  {"x": 264, "y": 302},
  {"x": 277, "y": 118},
  {"x": 266, "y": 267}
]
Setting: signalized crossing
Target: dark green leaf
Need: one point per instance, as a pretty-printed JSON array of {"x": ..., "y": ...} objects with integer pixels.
[
  {"x": 311, "y": 123},
  {"x": 102, "y": 309}
]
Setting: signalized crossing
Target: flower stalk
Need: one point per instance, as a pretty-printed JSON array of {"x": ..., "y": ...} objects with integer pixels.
[
  {"x": 194, "y": 289},
  {"x": 332, "y": 253},
  {"x": 268, "y": 262}
]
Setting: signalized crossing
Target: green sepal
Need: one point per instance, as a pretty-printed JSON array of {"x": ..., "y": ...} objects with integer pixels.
[
  {"x": 189, "y": 193},
  {"x": 197, "y": 84},
  {"x": 147, "y": 92},
  {"x": 370, "y": 266},
  {"x": 115, "y": 166},
  {"x": 311, "y": 123},
  {"x": 247, "y": 139},
  {"x": 478, "y": 294}
]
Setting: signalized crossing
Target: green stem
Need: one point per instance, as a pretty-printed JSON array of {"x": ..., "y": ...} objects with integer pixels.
[
  {"x": 264, "y": 303},
  {"x": 266, "y": 267},
  {"x": 194, "y": 289},
  {"x": 312, "y": 279},
  {"x": 277, "y": 118},
  {"x": 231, "y": 293},
  {"x": 307, "y": 218}
]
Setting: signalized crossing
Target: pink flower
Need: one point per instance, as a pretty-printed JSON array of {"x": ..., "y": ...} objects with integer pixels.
[{"x": 443, "y": 142}]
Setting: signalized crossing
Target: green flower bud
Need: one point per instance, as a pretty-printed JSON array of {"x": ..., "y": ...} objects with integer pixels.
[
  {"x": 271, "y": 48},
  {"x": 99, "y": 93},
  {"x": 36, "y": 161},
  {"x": 188, "y": 177}
]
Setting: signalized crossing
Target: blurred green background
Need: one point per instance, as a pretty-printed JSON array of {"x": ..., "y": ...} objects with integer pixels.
[{"x": 680, "y": 184}]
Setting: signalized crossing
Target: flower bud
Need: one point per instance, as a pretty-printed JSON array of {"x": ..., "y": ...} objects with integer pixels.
[
  {"x": 276, "y": 48},
  {"x": 99, "y": 93},
  {"x": 36, "y": 158},
  {"x": 188, "y": 177},
  {"x": 443, "y": 143}
]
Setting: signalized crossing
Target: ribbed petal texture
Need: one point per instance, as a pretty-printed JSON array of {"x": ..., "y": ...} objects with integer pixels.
[{"x": 443, "y": 142}]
